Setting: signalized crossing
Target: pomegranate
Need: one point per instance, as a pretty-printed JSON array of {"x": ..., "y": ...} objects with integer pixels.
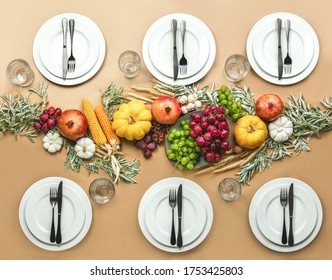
[
  {"x": 269, "y": 107},
  {"x": 72, "y": 124},
  {"x": 166, "y": 110}
]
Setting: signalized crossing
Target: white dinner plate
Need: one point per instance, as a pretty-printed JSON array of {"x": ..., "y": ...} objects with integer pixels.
[
  {"x": 54, "y": 182},
  {"x": 158, "y": 216},
  {"x": 51, "y": 27},
  {"x": 86, "y": 49},
  {"x": 196, "y": 48},
  {"x": 167, "y": 183},
  {"x": 38, "y": 213},
  {"x": 270, "y": 219},
  {"x": 258, "y": 199},
  {"x": 301, "y": 47},
  {"x": 255, "y": 33},
  {"x": 166, "y": 21}
]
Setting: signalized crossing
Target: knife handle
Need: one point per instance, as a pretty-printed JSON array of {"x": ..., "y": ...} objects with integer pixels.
[
  {"x": 58, "y": 239},
  {"x": 290, "y": 236},
  {"x": 279, "y": 25},
  {"x": 64, "y": 31},
  {"x": 179, "y": 239},
  {"x": 174, "y": 26}
]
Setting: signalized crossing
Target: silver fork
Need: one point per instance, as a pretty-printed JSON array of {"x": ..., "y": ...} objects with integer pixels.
[
  {"x": 287, "y": 60},
  {"x": 283, "y": 202},
  {"x": 172, "y": 203},
  {"x": 183, "y": 60},
  {"x": 53, "y": 201},
  {"x": 71, "y": 59}
]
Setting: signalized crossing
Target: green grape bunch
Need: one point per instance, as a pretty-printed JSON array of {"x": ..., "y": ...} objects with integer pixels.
[
  {"x": 233, "y": 108},
  {"x": 183, "y": 150}
]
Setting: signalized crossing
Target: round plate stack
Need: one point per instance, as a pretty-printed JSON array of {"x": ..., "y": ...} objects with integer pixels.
[
  {"x": 35, "y": 213},
  {"x": 262, "y": 48},
  {"x": 266, "y": 220},
  {"x": 89, "y": 49},
  {"x": 200, "y": 49},
  {"x": 154, "y": 214}
]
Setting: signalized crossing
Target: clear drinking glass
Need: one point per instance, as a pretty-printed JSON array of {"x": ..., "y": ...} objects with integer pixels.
[
  {"x": 19, "y": 73},
  {"x": 101, "y": 190},
  {"x": 229, "y": 189},
  {"x": 130, "y": 64},
  {"x": 236, "y": 68}
]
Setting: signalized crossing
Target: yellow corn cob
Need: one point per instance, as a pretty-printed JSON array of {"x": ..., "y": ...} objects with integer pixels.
[
  {"x": 106, "y": 125},
  {"x": 96, "y": 131}
]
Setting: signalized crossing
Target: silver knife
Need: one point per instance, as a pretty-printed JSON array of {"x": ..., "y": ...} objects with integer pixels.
[
  {"x": 280, "y": 63},
  {"x": 64, "y": 48},
  {"x": 179, "y": 198},
  {"x": 291, "y": 206},
  {"x": 58, "y": 238},
  {"x": 174, "y": 26}
]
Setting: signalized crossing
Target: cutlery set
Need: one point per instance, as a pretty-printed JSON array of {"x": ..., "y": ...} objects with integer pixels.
[
  {"x": 56, "y": 199},
  {"x": 175, "y": 199},
  {"x": 287, "y": 198},
  {"x": 68, "y": 64},
  {"x": 286, "y": 64},
  {"x": 182, "y": 64}
]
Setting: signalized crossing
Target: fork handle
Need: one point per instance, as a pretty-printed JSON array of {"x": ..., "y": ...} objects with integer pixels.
[
  {"x": 52, "y": 237},
  {"x": 71, "y": 31},
  {"x": 183, "y": 32},
  {"x": 284, "y": 233},
  {"x": 287, "y": 30},
  {"x": 173, "y": 239}
]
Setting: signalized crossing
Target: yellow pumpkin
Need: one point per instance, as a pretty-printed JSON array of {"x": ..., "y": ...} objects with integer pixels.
[
  {"x": 250, "y": 132},
  {"x": 132, "y": 120}
]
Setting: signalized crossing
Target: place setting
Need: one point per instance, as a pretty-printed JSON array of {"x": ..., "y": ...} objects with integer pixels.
[
  {"x": 55, "y": 213},
  {"x": 175, "y": 215},
  {"x": 282, "y": 48},
  {"x": 285, "y": 215},
  {"x": 179, "y": 49},
  {"x": 69, "y": 49}
]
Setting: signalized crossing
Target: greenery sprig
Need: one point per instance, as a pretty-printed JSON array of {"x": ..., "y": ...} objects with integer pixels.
[{"x": 18, "y": 113}]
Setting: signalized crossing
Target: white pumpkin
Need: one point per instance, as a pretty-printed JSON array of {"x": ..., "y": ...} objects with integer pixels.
[
  {"x": 281, "y": 129},
  {"x": 85, "y": 148},
  {"x": 52, "y": 142}
]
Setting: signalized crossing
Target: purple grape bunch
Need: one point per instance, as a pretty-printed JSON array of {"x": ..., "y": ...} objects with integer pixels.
[
  {"x": 147, "y": 145},
  {"x": 48, "y": 119}
]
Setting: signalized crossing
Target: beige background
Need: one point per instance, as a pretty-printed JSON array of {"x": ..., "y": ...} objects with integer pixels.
[{"x": 115, "y": 233}]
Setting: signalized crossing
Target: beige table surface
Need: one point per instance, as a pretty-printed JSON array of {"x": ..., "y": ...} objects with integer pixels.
[{"x": 115, "y": 232}]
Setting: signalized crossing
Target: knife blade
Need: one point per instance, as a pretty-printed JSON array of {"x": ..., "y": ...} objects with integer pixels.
[
  {"x": 174, "y": 25},
  {"x": 179, "y": 198},
  {"x": 64, "y": 49},
  {"x": 291, "y": 208},
  {"x": 58, "y": 238},
  {"x": 280, "y": 63}
]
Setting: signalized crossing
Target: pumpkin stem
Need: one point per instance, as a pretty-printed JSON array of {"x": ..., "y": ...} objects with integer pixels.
[
  {"x": 251, "y": 129},
  {"x": 131, "y": 120}
]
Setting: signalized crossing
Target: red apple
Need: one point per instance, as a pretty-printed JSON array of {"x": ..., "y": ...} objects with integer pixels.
[
  {"x": 166, "y": 110},
  {"x": 269, "y": 107},
  {"x": 72, "y": 124}
]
